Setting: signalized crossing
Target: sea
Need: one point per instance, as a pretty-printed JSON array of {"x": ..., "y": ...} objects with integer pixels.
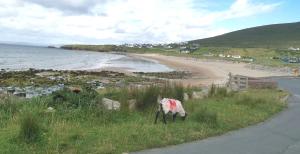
[{"x": 18, "y": 58}]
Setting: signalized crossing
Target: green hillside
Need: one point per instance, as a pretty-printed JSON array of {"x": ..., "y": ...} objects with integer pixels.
[{"x": 270, "y": 36}]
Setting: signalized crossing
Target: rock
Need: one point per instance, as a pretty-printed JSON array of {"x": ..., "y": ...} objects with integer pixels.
[
  {"x": 10, "y": 90},
  {"x": 1, "y": 90},
  {"x": 120, "y": 83},
  {"x": 198, "y": 94},
  {"x": 50, "y": 110},
  {"x": 111, "y": 104},
  {"x": 20, "y": 93},
  {"x": 132, "y": 104}
]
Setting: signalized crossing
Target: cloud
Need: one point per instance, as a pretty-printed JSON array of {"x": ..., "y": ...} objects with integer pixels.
[
  {"x": 68, "y": 6},
  {"x": 118, "y": 21}
]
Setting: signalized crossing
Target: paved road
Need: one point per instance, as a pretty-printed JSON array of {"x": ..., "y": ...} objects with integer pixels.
[{"x": 280, "y": 135}]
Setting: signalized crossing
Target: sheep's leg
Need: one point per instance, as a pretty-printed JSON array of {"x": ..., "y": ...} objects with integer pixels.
[
  {"x": 164, "y": 116},
  {"x": 174, "y": 117},
  {"x": 156, "y": 117}
]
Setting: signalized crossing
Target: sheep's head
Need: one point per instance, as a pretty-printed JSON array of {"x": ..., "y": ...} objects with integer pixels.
[{"x": 185, "y": 115}]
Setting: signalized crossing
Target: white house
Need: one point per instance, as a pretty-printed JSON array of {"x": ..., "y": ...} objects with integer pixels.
[
  {"x": 222, "y": 55},
  {"x": 236, "y": 56},
  {"x": 185, "y": 51},
  {"x": 208, "y": 55},
  {"x": 294, "y": 49}
]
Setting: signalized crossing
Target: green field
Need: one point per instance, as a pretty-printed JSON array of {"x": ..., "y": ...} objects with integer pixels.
[
  {"x": 80, "y": 125},
  {"x": 280, "y": 36}
]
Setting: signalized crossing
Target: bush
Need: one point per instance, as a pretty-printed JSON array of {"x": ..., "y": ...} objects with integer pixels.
[
  {"x": 203, "y": 115},
  {"x": 30, "y": 129},
  {"x": 87, "y": 98}
]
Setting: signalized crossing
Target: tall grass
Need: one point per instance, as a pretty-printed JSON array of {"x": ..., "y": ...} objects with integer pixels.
[
  {"x": 30, "y": 129},
  {"x": 175, "y": 91},
  {"x": 219, "y": 92},
  {"x": 82, "y": 129},
  {"x": 146, "y": 97},
  {"x": 8, "y": 108}
]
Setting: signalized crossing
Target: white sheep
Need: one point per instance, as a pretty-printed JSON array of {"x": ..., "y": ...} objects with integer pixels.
[{"x": 167, "y": 105}]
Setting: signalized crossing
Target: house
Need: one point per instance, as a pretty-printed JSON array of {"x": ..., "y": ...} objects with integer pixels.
[
  {"x": 184, "y": 49},
  {"x": 208, "y": 55},
  {"x": 248, "y": 59},
  {"x": 222, "y": 55},
  {"x": 294, "y": 60},
  {"x": 294, "y": 49},
  {"x": 236, "y": 56},
  {"x": 291, "y": 59}
]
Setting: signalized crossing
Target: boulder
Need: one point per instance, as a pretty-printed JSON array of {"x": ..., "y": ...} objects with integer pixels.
[
  {"x": 20, "y": 93},
  {"x": 198, "y": 94},
  {"x": 50, "y": 110},
  {"x": 10, "y": 90},
  {"x": 111, "y": 104}
]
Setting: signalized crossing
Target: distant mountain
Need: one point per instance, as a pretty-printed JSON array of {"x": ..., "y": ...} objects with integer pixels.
[{"x": 269, "y": 36}]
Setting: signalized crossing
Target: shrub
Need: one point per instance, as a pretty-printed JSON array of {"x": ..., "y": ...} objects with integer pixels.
[
  {"x": 203, "y": 115},
  {"x": 87, "y": 98},
  {"x": 30, "y": 129}
]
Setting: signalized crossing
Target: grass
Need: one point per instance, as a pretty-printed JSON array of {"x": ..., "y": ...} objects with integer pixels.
[
  {"x": 269, "y": 36},
  {"x": 80, "y": 129},
  {"x": 261, "y": 55},
  {"x": 30, "y": 129},
  {"x": 146, "y": 97}
]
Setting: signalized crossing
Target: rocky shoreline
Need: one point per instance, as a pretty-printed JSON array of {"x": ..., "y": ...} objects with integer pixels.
[{"x": 34, "y": 83}]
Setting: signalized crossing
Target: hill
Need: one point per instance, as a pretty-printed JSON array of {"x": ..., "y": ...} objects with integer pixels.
[{"x": 269, "y": 36}]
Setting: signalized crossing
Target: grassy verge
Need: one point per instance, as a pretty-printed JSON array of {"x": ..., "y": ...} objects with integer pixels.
[{"x": 81, "y": 125}]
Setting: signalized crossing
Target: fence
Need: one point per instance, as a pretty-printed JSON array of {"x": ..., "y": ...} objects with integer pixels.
[{"x": 240, "y": 82}]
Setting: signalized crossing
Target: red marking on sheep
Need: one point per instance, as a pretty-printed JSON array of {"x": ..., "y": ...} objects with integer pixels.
[{"x": 172, "y": 104}]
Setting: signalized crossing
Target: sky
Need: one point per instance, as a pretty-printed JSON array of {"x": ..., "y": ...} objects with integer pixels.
[{"x": 54, "y": 22}]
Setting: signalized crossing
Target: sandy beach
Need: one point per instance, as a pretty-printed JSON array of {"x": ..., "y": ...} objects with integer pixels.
[{"x": 205, "y": 72}]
